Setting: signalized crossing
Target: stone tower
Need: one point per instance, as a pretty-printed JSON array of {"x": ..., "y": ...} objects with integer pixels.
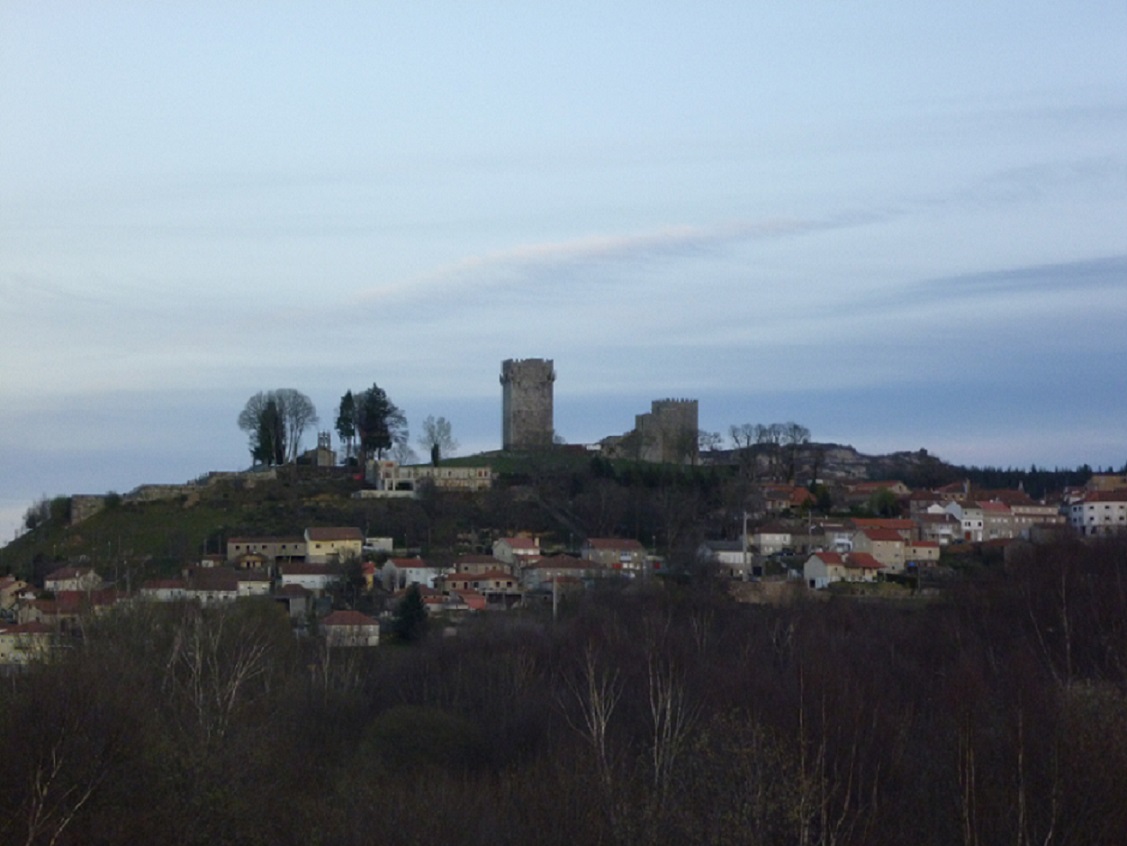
[
  {"x": 526, "y": 403},
  {"x": 668, "y": 434}
]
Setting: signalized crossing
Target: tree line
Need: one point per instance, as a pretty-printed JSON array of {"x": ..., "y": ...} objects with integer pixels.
[{"x": 643, "y": 716}]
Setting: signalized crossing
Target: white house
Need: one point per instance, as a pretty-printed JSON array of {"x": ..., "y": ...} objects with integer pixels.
[
  {"x": 350, "y": 628},
  {"x": 823, "y": 568},
  {"x": 1100, "y": 513},
  {"x": 316, "y": 578}
]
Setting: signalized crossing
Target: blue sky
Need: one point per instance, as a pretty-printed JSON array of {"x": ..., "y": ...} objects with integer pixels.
[{"x": 902, "y": 224}]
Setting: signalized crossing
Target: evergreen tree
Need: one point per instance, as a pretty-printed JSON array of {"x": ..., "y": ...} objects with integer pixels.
[{"x": 410, "y": 622}]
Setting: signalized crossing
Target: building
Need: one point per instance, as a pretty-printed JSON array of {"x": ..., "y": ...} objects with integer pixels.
[
  {"x": 516, "y": 552},
  {"x": 623, "y": 554},
  {"x": 390, "y": 479},
  {"x": 331, "y": 545},
  {"x": 268, "y": 550},
  {"x": 1100, "y": 512},
  {"x": 526, "y": 403},
  {"x": 668, "y": 433},
  {"x": 350, "y": 628},
  {"x": 823, "y": 568}
]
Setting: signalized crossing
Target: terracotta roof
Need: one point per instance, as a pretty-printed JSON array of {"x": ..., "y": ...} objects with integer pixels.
[
  {"x": 829, "y": 557},
  {"x": 348, "y": 618},
  {"x": 1105, "y": 496},
  {"x": 520, "y": 543},
  {"x": 863, "y": 561},
  {"x": 335, "y": 533},
  {"x": 615, "y": 543},
  {"x": 164, "y": 584},
  {"x": 403, "y": 563},
  {"x": 883, "y": 535},
  {"x": 68, "y": 573}
]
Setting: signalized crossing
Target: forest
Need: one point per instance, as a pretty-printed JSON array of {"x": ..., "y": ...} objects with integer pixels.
[{"x": 646, "y": 713}]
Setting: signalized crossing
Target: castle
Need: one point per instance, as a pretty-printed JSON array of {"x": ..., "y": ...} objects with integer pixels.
[
  {"x": 668, "y": 433},
  {"x": 526, "y": 403}
]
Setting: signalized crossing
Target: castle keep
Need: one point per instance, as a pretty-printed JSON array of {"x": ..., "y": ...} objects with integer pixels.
[
  {"x": 668, "y": 434},
  {"x": 526, "y": 403}
]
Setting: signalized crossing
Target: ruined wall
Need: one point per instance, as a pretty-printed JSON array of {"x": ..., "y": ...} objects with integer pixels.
[{"x": 526, "y": 403}]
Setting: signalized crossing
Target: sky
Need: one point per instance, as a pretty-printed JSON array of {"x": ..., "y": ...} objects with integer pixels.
[{"x": 901, "y": 224}]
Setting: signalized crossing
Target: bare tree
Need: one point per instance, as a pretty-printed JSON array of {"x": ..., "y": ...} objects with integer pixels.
[
  {"x": 275, "y": 421},
  {"x": 437, "y": 439}
]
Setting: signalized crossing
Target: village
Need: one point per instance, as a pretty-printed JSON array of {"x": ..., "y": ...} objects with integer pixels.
[{"x": 845, "y": 536}]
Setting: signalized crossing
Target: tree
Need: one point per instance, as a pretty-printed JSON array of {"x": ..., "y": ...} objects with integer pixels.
[
  {"x": 437, "y": 439},
  {"x": 379, "y": 422},
  {"x": 709, "y": 441},
  {"x": 298, "y": 413},
  {"x": 346, "y": 422},
  {"x": 268, "y": 444},
  {"x": 275, "y": 421},
  {"x": 794, "y": 437},
  {"x": 410, "y": 622}
]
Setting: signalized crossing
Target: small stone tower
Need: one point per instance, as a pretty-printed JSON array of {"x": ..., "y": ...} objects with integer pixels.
[{"x": 526, "y": 403}]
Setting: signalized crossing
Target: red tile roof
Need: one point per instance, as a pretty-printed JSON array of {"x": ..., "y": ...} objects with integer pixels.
[
  {"x": 334, "y": 533},
  {"x": 348, "y": 618},
  {"x": 615, "y": 543},
  {"x": 863, "y": 561}
]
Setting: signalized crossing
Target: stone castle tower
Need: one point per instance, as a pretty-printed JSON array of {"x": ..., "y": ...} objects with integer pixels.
[
  {"x": 526, "y": 403},
  {"x": 668, "y": 434}
]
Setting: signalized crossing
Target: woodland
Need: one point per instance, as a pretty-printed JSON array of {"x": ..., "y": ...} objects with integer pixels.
[{"x": 645, "y": 713}]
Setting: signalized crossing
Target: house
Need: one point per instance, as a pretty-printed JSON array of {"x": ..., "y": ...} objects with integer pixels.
[
  {"x": 1100, "y": 512},
  {"x": 546, "y": 571},
  {"x": 997, "y": 520},
  {"x": 66, "y": 610},
  {"x": 941, "y": 528},
  {"x": 72, "y": 579},
  {"x": 905, "y": 527},
  {"x": 824, "y": 568},
  {"x": 331, "y": 545},
  {"x": 10, "y": 589},
  {"x": 315, "y": 578},
  {"x": 252, "y": 583},
  {"x": 297, "y": 600},
  {"x": 212, "y": 585},
  {"x": 922, "y": 553},
  {"x": 389, "y": 478},
  {"x": 500, "y": 588},
  {"x": 164, "y": 590},
  {"x": 516, "y": 551},
  {"x": 970, "y": 518},
  {"x": 270, "y": 549},
  {"x": 481, "y": 564},
  {"x": 350, "y": 628},
  {"x": 730, "y": 557},
  {"x": 622, "y": 554},
  {"x": 23, "y": 643},
  {"x": 400, "y": 572},
  {"x": 885, "y": 545},
  {"x": 771, "y": 539}
]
